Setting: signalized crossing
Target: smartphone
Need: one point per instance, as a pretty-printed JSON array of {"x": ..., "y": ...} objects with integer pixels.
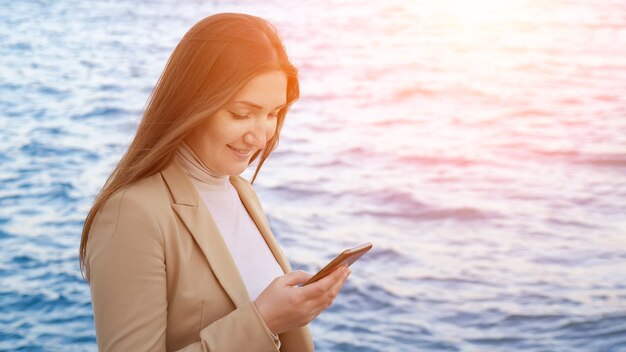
[{"x": 345, "y": 258}]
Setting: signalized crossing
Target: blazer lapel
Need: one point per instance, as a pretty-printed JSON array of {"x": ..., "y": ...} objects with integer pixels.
[
  {"x": 253, "y": 206},
  {"x": 202, "y": 227}
]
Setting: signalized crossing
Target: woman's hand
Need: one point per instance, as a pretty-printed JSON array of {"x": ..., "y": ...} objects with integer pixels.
[{"x": 285, "y": 306}]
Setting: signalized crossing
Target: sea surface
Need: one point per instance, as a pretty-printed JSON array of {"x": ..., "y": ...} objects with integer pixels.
[{"x": 480, "y": 145}]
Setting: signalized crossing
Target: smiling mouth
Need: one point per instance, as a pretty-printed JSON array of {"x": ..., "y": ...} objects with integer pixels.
[{"x": 242, "y": 152}]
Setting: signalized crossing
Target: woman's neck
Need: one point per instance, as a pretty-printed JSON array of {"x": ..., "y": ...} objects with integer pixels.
[{"x": 190, "y": 161}]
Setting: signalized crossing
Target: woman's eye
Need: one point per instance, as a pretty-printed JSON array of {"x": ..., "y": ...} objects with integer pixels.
[
  {"x": 238, "y": 116},
  {"x": 272, "y": 116}
]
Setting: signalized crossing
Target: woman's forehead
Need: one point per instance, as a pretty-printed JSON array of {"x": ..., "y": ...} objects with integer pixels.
[{"x": 265, "y": 91}]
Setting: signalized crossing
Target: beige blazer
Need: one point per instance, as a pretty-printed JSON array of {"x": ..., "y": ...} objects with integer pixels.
[{"x": 163, "y": 279}]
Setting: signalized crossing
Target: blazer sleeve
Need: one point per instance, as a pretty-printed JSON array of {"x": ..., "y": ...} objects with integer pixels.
[{"x": 127, "y": 271}]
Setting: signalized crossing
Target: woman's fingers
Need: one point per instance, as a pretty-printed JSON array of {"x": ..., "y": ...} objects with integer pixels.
[
  {"x": 321, "y": 302},
  {"x": 296, "y": 277},
  {"x": 329, "y": 285},
  {"x": 284, "y": 306}
]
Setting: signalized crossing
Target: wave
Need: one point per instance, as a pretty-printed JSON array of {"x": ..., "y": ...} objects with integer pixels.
[
  {"x": 456, "y": 281},
  {"x": 583, "y": 158},
  {"x": 440, "y": 160},
  {"x": 386, "y": 255},
  {"x": 605, "y": 160},
  {"x": 389, "y": 203},
  {"x": 38, "y": 149},
  {"x": 459, "y": 214},
  {"x": 595, "y": 325},
  {"x": 103, "y": 112}
]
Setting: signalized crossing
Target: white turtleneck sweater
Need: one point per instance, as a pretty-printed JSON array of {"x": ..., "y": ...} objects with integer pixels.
[{"x": 253, "y": 258}]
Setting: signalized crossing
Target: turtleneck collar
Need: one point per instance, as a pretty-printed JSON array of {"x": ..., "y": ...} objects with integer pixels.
[{"x": 195, "y": 168}]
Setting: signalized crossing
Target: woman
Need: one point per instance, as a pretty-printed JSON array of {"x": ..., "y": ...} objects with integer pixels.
[{"x": 176, "y": 247}]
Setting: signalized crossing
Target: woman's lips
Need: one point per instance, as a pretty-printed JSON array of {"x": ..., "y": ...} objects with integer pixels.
[{"x": 241, "y": 152}]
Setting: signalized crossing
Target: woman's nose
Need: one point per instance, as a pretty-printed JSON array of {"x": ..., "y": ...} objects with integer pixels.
[{"x": 256, "y": 136}]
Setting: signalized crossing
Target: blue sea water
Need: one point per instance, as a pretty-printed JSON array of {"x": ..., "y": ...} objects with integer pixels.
[{"x": 480, "y": 145}]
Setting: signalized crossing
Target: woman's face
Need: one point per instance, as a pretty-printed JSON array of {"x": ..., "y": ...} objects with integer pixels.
[{"x": 226, "y": 141}]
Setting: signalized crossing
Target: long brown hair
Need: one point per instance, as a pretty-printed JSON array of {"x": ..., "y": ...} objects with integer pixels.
[{"x": 211, "y": 63}]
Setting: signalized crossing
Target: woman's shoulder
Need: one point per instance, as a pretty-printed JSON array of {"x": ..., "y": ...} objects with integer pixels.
[
  {"x": 132, "y": 209},
  {"x": 149, "y": 191},
  {"x": 147, "y": 198}
]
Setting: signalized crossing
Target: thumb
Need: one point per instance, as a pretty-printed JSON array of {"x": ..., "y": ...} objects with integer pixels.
[{"x": 296, "y": 277}]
